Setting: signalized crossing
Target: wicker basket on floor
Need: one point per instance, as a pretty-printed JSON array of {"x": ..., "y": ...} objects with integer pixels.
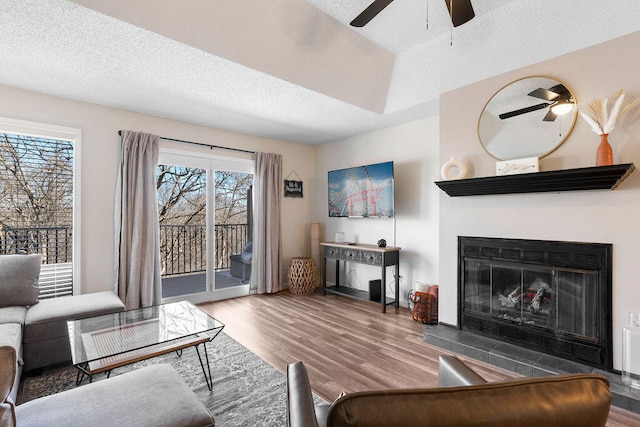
[
  {"x": 425, "y": 307},
  {"x": 303, "y": 276}
]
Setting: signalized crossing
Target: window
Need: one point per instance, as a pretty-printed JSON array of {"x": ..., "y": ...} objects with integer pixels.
[
  {"x": 204, "y": 207},
  {"x": 37, "y": 187}
]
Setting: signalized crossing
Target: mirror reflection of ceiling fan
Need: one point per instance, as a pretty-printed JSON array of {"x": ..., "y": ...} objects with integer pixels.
[
  {"x": 559, "y": 101},
  {"x": 460, "y": 11}
]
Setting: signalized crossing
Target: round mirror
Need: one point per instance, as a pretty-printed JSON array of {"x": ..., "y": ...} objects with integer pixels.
[{"x": 530, "y": 117}]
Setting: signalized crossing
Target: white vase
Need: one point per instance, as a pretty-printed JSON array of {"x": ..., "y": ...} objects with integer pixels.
[
  {"x": 453, "y": 169},
  {"x": 631, "y": 351}
]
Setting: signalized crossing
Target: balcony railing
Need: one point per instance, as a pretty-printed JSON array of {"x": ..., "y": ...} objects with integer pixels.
[
  {"x": 53, "y": 243},
  {"x": 182, "y": 251},
  {"x": 183, "y": 247}
]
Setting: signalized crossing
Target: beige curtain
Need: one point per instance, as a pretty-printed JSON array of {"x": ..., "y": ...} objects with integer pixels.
[
  {"x": 266, "y": 262},
  {"x": 138, "y": 282}
]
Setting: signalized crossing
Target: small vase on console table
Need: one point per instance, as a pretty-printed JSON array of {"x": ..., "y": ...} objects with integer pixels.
[{"x": 604, "y": 154}]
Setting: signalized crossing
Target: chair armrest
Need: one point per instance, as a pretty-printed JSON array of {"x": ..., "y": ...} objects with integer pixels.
[
  {"x": 453, "y": 372},
  {"x": 300, "y": 406}
]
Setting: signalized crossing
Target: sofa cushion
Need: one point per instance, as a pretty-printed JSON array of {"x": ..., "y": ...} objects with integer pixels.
[
  {"x": 46, "y": 339},
  {"x": 13, "y": 314},
  {"x": 19, "y": 279},
  {"x": 152, "y": 396},
  {"x": 48, "y": 319}
]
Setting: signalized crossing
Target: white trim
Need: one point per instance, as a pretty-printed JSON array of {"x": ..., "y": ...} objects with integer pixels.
[
  {"x": 176, "y": 159},
  {"x": 44, "y": 130},
  {"x": 234, "y": 292},
  {"x": 238, "y": 164}
]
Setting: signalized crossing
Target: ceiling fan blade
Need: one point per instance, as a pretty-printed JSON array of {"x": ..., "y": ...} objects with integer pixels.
[
  {"x": 462, "y": 11},
  {"x": 523, "y": 110},
  {"x": 545, "y": 94},
  {"x": 550, "y": 116},
  {"x": 370, "y": 12}
]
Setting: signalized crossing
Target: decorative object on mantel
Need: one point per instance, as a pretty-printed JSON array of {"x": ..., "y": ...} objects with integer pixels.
[
  {"x": 512, "y": 167},
  {"x": 293, "y": 188},
  {"x": 631, "y": 351},
  {"x": 453, "y": 169},
  {"x": 596, "y": 113},
  {"x": 592, "y": 178},
  {"x": 604, "y": 153},
  {"x": 382, "y": 243}
]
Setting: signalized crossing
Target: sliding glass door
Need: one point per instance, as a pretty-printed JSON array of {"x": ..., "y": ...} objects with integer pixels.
[{"x": 204, "y": 208}]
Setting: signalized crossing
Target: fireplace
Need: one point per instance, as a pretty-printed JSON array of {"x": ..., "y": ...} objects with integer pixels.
[{"x": 549, "y": 296}]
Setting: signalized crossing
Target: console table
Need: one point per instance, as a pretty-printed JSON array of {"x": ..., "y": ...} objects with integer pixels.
[{"x": 362, "y": 254}]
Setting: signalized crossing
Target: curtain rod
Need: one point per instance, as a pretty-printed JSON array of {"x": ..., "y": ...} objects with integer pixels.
[{"x": 202, "y": 144}]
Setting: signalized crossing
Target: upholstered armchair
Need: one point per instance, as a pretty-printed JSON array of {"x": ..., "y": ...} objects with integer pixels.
[{"x": 463, "y": 398}]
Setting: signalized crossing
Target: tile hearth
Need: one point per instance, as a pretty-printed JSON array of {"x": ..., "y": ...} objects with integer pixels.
[{"x": 523, "y": 361}]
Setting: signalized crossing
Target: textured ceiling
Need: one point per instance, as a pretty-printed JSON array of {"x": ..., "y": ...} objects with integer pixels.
[{"x": 286, "y": 69}]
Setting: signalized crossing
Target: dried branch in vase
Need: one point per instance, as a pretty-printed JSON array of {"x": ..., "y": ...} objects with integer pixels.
[{"x": 596, "y": 113}]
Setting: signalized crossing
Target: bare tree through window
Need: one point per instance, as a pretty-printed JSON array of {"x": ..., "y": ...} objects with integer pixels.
[{"x": 182, "y": 210}]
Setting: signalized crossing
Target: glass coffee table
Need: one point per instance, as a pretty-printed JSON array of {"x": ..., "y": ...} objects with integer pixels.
[{"x": 103, "y": 343}]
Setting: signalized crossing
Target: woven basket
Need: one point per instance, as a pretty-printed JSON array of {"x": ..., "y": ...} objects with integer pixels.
[
  {"x": 425, "y": 307},
  {"x": 303, "y": 276}
]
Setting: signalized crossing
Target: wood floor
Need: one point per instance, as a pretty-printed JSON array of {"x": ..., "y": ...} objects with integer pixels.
[{"x": 347, "y": 345}]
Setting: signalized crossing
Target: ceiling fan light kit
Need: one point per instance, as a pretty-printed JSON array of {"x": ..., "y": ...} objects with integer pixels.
[{"x": 562, "y": 108}]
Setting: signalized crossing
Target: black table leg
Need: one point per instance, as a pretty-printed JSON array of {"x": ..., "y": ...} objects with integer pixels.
[
  {"x": 207, "y": 378},
  {"x": 398, "y": 283},
  {"x": 324, "y": 276},
  {"x": 383, "y": 288}
]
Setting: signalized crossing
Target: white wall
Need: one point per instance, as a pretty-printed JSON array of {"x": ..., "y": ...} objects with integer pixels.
[
  {"x": 99, "y": 163},
  {"x": 585, "y": 216},
  {"x": 413, "y": 147}
]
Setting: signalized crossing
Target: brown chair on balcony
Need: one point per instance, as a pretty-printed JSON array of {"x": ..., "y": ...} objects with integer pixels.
[{"x": 241, "y": 263}]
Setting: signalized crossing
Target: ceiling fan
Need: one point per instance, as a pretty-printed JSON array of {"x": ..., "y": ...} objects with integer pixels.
[
  {"x": 460, "y": 11},
  {"x": 559, "y": 100}
]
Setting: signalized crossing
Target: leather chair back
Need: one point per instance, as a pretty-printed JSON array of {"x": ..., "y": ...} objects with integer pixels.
[{"x": 567, "y": 401}]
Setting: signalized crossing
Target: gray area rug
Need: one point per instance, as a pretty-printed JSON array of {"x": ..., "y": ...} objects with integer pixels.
[{"x": 246, "y": 390}]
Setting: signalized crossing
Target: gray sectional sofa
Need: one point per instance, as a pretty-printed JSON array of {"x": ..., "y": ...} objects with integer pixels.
[{"x": 33, "y": 334}]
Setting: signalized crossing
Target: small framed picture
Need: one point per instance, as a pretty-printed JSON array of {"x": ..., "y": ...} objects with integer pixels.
[{"x": 292, "y": 188}]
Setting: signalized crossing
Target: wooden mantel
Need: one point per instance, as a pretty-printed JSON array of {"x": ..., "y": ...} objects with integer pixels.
[{"x": 592, "y": 178}]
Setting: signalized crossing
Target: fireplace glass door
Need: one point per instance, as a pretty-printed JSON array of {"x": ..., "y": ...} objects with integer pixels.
[{"x": 551, "y": 299}]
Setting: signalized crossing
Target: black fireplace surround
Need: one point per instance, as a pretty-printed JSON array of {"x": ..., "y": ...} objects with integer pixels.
[{"x": 549, "y": 296}]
